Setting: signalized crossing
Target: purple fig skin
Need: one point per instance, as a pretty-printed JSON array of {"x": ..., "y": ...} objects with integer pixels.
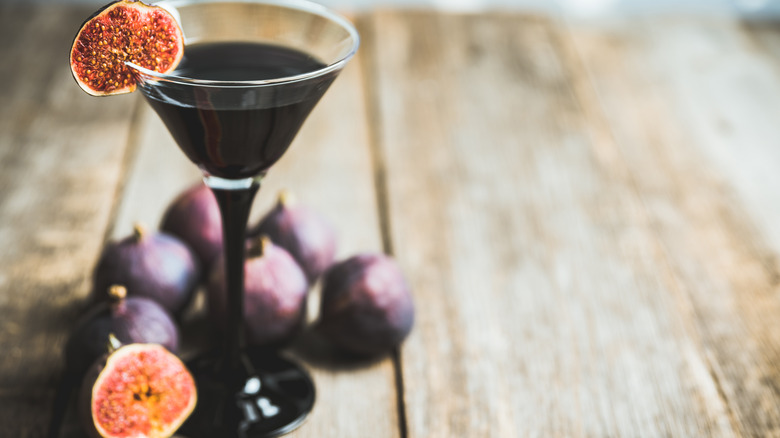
[
  {"x": 194, "y": 218},
  {"x": 85, "y": 394},
  {"x": 85, "y": 399},
  {"x": 366, "y": 305},
  {"x": 153, "y": 265},
  {"x": 304, "y": 233},
  {"x": 131, "y": 320},
  {"x": 274, "y": 298},
  {"x": 91, "y": 373}
]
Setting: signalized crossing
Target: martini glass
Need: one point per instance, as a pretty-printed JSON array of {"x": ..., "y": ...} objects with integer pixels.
[{"x": 252, "y": 71}]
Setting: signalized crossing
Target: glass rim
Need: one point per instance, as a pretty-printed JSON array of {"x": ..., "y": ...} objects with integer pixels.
[{"x": 300, "y": 5}]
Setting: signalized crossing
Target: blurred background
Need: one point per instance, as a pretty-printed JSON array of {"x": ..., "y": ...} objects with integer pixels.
[{"x": 584, "y": 8}]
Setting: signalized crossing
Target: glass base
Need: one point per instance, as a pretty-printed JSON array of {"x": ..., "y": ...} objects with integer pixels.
[{"x": 270, "y": 397}]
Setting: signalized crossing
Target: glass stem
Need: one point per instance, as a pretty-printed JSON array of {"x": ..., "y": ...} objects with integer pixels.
[{"x": 235, "y": 204}]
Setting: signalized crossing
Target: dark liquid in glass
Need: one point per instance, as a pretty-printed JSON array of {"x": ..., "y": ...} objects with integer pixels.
[
  {"x": 236, "y": 130},
  {"x": 239, "y": 142}
]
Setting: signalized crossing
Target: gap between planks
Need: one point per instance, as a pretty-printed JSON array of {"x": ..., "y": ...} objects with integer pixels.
[
  {"x": 132, "y": 147},
  {"x": 379, "y": 169}
]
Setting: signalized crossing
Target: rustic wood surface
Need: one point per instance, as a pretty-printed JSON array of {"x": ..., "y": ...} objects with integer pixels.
[{"x": 586, "y": 212}]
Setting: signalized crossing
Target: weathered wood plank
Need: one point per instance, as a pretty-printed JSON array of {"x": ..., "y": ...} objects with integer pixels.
[
  {"x": 61, "y": 157},
  {"x": 545, "y": 304},
  {"x": 327, "y": 167},
  {"x": 692, "y": 106},
  {"x": 23, "y": 413},
  {"x": 158, "y": 172},
  {"x": 586, "y": 215}
]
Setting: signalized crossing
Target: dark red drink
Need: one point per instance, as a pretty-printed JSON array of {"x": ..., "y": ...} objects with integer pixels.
[
  {"x": 234, "y": 108},
  {"x": 239, "y": 141}
]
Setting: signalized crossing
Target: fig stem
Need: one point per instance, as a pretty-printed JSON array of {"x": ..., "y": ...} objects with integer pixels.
[
  {"x": 117, "y": 292},
  {"x": 265, "y": 244},
  {"x": 113, "y": 343},
  {"x": 259, "y": 246},
  {"x": 286, "y": 198},
  {"x": 139, "y": 231}
]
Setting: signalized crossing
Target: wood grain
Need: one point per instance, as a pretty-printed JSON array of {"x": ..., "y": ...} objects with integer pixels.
[
  {"x": 711, "y": 195},
  {"x": 61, "y": 155},
  {"x": 329, "y": 168},
  {"x": 579, "y": 269},
  {"x": 585, "y": 210}
]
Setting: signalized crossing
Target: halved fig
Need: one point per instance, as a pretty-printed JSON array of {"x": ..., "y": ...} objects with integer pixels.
[
  {"x": 140, "y": 390},
  {"x": 124, "y": 31}
]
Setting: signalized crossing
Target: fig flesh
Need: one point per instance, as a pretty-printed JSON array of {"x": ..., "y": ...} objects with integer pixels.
[
  {"x": 130, "y": 319},
  {"x": 153, "y": 265},
  {"x": 303, "y": 232},
  {"x": 274, "y": 297},
  {"x": 366, "y": 306},
  {"x": 139, "y": 390},
  {"x": 194, "y": 218},
  {"x": 124, "y": 31}
]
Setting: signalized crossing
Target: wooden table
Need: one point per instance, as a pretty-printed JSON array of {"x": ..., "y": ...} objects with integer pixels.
[{"x": 588, "y": 213}]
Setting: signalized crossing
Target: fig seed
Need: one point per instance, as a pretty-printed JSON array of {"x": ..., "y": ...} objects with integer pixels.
[
  {"x": 124, "y": 31},
  {"x": 138, "y": 390}
]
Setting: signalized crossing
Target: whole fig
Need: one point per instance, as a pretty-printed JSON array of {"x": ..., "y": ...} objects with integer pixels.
[
  {"x": 194, "y": 218},
  {"x": 274, "y": 297},
  {"x": 366, "y": 305},
  {"x": 304, "y": 233},
  {"x": 153, "y": 265},
  {"x": 130, "y": 319},
  {"x": 137, "y": 390}
]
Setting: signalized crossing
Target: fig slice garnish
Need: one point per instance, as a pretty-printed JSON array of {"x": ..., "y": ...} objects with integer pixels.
[
  {"x": 124, "y": 31},
  {"x": 142, "y": 391}
]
